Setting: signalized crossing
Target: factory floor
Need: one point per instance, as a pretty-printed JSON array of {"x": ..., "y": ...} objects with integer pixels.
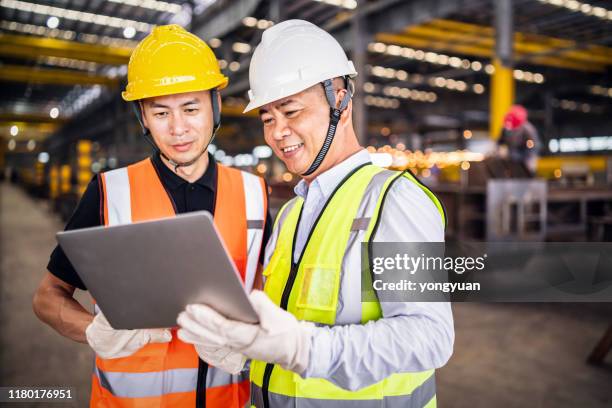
[{"x": 506, "y": 355}]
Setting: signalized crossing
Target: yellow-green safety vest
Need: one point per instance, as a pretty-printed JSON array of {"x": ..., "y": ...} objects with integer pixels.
[{"x": 309, "y": 289}]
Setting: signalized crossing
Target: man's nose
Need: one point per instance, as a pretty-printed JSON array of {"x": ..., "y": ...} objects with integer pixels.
[
  {"x": 281, "y": 130},
  {"x": 178, "y": 125}
]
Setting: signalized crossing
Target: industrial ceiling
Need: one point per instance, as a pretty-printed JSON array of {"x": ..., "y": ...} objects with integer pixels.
[{"x": 63, "y": 59}]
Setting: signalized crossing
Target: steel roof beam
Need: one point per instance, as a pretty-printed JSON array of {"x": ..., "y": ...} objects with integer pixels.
[
  {"x": 17, "y": 73},
  {"x": 471, "y": 39},
  {"x": 395, "y": 15},
  {"x": 223, "y": 18},
  {"x": 29, "y": 118},
  {"x": 31, "y": 47}
]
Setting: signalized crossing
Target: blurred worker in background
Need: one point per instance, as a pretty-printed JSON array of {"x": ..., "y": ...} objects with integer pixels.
[
  {"x": 317, "y": 344},
  {"x": 519, "y": 140},
  {"x": 173, "y": 83}
]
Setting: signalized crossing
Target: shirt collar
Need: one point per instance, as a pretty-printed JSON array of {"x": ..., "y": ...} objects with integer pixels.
[
  {"x": 329, "y": 180},
  {"x": 173, "y": 181}
]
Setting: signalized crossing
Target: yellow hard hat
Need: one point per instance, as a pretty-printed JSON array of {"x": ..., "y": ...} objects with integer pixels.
[{"x": 171, "y": 60}]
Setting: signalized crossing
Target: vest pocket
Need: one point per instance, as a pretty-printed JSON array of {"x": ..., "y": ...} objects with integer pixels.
[
  {"x": 275, "y": 276},
  {"x": 318, "y": 289}
]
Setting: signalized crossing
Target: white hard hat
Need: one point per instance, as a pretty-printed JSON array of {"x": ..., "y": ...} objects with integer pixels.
[{"x": 292, "y": 56}]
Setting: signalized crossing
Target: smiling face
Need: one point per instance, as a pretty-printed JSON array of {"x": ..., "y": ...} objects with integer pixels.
[
  {"x": 181, "y": 124},
  {"x": 295, "y": 128}
]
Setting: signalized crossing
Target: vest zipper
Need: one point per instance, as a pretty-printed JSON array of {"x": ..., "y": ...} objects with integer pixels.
[
  {"x": 265, "y": 383},
  {"x": 201, "y": 384}
]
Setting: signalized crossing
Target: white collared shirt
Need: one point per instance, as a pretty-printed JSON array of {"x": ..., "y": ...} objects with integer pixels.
[
  {"x": 316, "y": 195},
  {"x": 411, "y": 336}
]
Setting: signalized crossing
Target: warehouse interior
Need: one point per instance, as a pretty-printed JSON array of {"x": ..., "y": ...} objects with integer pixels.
[{"x": 436, "y": 81}]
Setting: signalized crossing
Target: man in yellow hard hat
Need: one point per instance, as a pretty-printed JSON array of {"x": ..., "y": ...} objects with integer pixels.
[{"x": 173, "y": 82}]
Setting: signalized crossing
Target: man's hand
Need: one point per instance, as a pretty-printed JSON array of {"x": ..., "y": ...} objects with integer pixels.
[
  {"x": 279, "y": 337},
  {"x": 215, "y": 355},
  {"x": 110, "y": 343}
]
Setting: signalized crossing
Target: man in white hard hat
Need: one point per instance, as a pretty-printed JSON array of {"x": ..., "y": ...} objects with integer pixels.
[{"x": 317, "y": 344}]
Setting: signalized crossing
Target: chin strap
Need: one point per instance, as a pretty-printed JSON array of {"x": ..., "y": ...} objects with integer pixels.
[
  {"x": 334, "y": 118},
  {"x": 216, "y": 124}
]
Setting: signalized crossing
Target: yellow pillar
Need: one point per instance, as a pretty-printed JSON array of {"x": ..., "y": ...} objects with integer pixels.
[
  {"x": 40, "y": 174},
  {"x": 84, "y": 173},
  {"x": 65, "y": 175},
  {"x": 502, "y": 96},
  {"x": 53, "y": 182}
]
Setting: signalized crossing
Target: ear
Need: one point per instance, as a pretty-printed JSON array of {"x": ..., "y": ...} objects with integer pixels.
[
  {"x": 339, "y": 95},
  {"x": 219, "y": 104}
]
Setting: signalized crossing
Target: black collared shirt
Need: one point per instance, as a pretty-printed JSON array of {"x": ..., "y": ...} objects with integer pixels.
[{"x": 187, "y": 197}]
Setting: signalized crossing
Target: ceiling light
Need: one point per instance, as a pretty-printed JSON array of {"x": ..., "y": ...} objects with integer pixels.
[
  {"x": 43, "y": 157},
  {"x": 234, "y": 66},
  {"x": 369, "y": 87},
  {"x": 478, "y": 88},
  {"x": 74, "y": 15},
  {"x": 152, "y": 5},
  {"x": 579, "y": 6},
  {"x": 129, "y": 32},
  {"x": 262, "y": 24},
  {"x": 241, "y": 47},
  {"x": 249, "y": 21},
  {"x": 52, "y": 22}
]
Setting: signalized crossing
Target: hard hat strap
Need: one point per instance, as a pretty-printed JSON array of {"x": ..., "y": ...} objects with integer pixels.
[
  {"x": 334, "y": 118},
  {"x": 216, "y": 124}
]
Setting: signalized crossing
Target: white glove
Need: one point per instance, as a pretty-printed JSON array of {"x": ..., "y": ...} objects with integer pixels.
[
  {"x": 220, "y": 357},
  {"x": 279, "y": 337},
  {"x": 110, "y": 343}
]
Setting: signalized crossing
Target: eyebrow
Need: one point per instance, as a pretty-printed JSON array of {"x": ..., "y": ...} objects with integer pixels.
[
  {"x": 190, "y": 102},
  {"x": 287, "y": 102},
  {"x": 284, "y": 103}
]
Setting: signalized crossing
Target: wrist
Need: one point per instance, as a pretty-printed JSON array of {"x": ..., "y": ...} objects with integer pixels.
[{"x": 303, "y": 347}]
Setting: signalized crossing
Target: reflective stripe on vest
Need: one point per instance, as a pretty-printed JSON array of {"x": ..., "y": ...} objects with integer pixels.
[
  {"x": 327, "y": 290},
  {"x": 255, "y": 200},
  {"x": 165, "y": 375},
  {"x": 154, "y": 384},
  {"x": 426, "y": 392}
]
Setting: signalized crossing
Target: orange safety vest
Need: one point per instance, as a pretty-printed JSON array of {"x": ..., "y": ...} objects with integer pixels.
[{"x": 166, "y": 375}]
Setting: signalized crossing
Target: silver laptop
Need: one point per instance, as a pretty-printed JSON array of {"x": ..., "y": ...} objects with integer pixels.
[{"x": 142, "y": 275}]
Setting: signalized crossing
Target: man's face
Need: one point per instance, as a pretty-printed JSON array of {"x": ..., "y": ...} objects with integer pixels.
[
  {"x": 180, "y": 124},
  {"x": 295, "y": 128}
]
